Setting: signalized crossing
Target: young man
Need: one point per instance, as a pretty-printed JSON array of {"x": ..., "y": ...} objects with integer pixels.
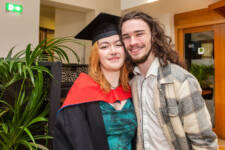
[{"x": 171, "y": 112}]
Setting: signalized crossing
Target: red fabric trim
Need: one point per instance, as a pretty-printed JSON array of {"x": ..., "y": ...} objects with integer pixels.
[{"x": 85, "y": 90}]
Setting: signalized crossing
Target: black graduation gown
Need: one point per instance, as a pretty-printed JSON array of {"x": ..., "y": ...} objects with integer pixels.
[{"x": 80, "y": 127}]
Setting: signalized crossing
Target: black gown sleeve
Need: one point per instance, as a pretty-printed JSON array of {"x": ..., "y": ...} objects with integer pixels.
[{"x": 71, "y": 130}]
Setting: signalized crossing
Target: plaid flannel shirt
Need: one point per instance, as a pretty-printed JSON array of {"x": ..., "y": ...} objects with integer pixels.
[{"x": 181, "y": 110}]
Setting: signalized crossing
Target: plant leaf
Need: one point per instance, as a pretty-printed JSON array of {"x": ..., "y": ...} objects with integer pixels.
[
  {"x": 37, "y": 119},
  {"x": 39, "y": 146},
  {"x": 28, "y": 52},
  {"x": 5, "y": 128},
  {"x": 30, "y": 135},
  {"x": 31, "y": 75},
  {"x": 4, "y": 102},
  {"x": 3, "y": 112},
  {"x": 11, "y": 64},
  {"x": 9, "y": 56},
  {"x": 19, "y": 65},
  {"x": 18, "y": 55},
  {"x": 27, "y": 144}
]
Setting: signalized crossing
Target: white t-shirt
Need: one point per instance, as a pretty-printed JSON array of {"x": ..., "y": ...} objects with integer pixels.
[{"x": 153, "y": 136}]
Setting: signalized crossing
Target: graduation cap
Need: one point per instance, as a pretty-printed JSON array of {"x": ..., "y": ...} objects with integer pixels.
[{"x": 104, "y": 25}]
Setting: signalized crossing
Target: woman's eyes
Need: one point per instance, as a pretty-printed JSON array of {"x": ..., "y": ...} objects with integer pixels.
[
  {"x": 104, "y": 46},
  {"x": 108, "y": 46},
  {"x": 119, "y": 45}
]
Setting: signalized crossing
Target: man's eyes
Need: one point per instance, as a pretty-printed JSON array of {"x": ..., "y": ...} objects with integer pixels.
[
  {"x": 125, "y": 37},
  {"x": 135, "y": 35},
  {"x": 139, "y": 34}
]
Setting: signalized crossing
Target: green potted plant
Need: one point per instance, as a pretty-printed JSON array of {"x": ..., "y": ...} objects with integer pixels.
[
  {"x": 204, "y": 74},
  {"x": 22, "y": 116}
]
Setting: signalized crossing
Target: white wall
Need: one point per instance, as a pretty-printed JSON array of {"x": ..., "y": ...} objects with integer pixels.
[
  {"x": 80, "y": 5},
  {"x": 69, "y": 23},
  {"x": 19, "y": 30},
  {"x": 126, "y": 4},
  {"x": 167, "y": 22},
  {"x": 166, "y": 6}
]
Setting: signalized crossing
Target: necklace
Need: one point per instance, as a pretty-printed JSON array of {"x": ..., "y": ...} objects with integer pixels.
[{"x": 114, "y": 87}]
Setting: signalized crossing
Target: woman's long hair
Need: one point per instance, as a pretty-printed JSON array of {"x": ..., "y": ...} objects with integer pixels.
[
  {"x": 96, "y": 73},
  {"x": 162, "y": 46}
]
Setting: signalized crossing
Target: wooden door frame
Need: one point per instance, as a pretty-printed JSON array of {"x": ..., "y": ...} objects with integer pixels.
[
  {"x": 199, "y": 21},
  {"x": 197, "y": 18},
  {"x": 182, "y": 31}
]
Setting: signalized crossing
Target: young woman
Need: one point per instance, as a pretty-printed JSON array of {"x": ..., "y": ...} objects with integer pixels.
[{"x": 98, "y": 113}]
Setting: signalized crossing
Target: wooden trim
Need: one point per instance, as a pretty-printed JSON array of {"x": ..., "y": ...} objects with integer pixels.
[
  {"x": 198, "y": 29},
  {"x": 190, "y": 13},
  {"x": 199, "y": 17},
  {"x": 221, "y": 11},
  {"x": 179, "y": 42},
  {"x": 218, "y": 4},
  {"x": 201, "y": 24},
  {"x": 176, "y": 38},
  {"x": 219, "y": 7},
  {"x": 219, "y": 79}
]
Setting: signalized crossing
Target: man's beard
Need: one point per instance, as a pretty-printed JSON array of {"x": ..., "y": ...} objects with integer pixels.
[{"x": 142, "y": 59}]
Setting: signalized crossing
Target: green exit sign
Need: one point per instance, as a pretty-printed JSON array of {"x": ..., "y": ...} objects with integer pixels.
[{"x": 14, "y": 7}]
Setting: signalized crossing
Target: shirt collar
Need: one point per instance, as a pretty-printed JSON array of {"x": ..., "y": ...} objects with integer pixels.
[{"x": 153, "y": 69}]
